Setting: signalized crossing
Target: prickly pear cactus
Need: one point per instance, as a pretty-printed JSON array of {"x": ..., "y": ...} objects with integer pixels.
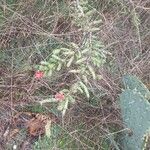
[
  {"x": 133, "y": 83},
  {"x": 135, "y": 113}
]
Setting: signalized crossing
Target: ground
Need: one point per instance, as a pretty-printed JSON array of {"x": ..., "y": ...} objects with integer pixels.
[{"x": 29, "y": 31}]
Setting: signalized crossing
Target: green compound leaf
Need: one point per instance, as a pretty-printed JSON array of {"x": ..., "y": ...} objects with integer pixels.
[
  {"x": 70, "y": 61},
  {"x": 47, "y": 101},
  {"x": 81, "y": 60},
  {"x": 84, "y": 87},
  {"x": 91, "y": 69}
]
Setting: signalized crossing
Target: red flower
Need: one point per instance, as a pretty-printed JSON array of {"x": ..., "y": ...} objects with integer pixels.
[
  {"x": 59, "y": 96},
  {"x": 39, "y": 74}
]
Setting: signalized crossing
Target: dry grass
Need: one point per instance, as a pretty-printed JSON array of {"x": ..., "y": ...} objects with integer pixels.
[{"x": 29, "y": 30}]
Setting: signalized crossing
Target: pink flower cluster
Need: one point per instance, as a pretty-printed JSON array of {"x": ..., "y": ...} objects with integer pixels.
[
  {"x": 39, "y": 74},
  {"x": 59, "y": 96}
]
